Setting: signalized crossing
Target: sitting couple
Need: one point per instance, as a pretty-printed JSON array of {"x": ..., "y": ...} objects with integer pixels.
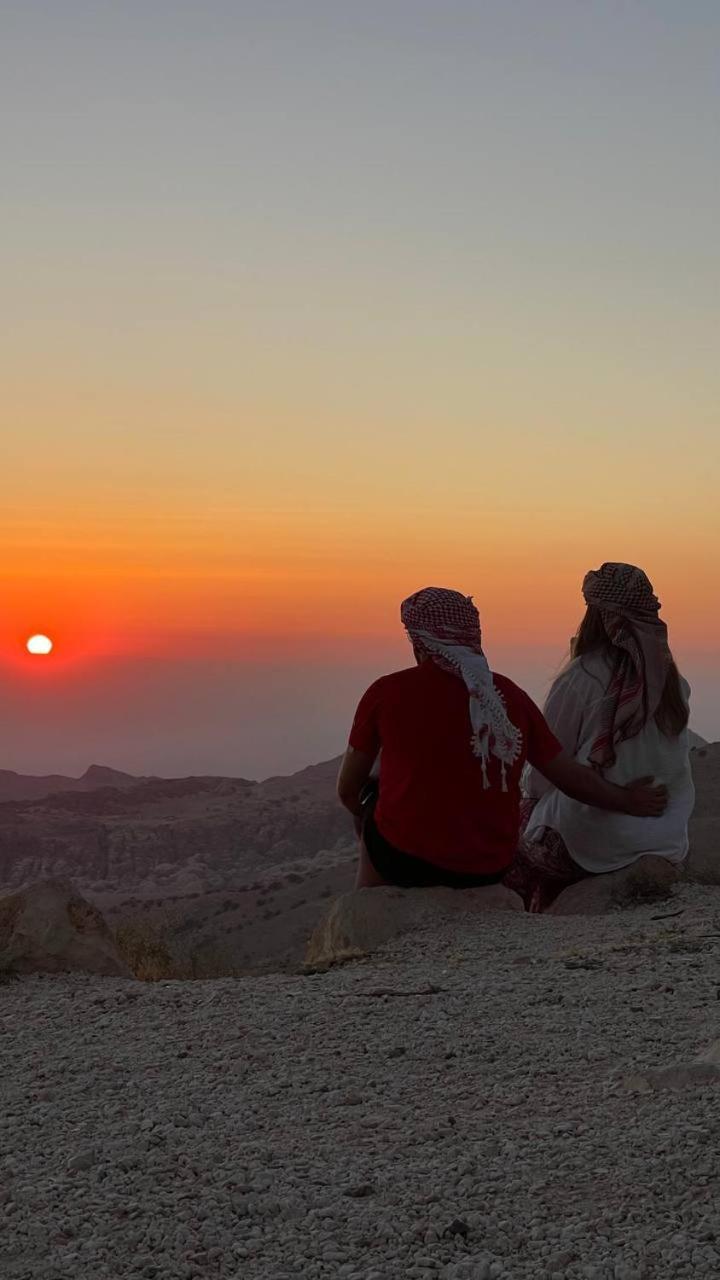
[{"x": 605, "y": 772}]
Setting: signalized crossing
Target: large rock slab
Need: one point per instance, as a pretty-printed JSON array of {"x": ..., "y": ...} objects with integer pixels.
[
  {"x": 650, "y": 879},
  {"x": 49, "y": 927},
  {"x": 358, "y": 923}
]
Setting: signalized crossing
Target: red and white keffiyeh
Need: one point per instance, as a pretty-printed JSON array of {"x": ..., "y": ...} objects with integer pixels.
[
  {"x": 629, "y": 609},
  {"x": 445, "y": 626}
]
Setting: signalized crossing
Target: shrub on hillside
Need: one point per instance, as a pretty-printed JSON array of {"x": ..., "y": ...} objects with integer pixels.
[
  {"x": 155, "y": 953},
  {"x": 7, "y": 972},
  {"x": 144, "y": 947}
]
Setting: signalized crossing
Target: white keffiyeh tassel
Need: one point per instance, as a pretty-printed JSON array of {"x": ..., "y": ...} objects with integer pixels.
[{"x": 492, "y": 731}]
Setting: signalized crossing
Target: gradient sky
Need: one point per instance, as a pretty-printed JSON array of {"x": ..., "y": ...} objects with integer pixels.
[{"x": 309, "y": 304}]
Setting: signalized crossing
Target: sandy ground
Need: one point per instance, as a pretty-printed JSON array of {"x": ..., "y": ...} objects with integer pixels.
[{"x": 457, "y": 1107}]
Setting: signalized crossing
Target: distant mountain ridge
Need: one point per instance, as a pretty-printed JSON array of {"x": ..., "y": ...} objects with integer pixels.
[
  {"x": 24, "y": 786},
  {"x": 114, "y": 834},
  {"x": 315, "y": 777},
  {"x": 21, "y": 786}
]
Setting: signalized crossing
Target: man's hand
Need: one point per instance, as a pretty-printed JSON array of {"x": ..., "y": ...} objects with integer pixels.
[
  {"x": 640, "y": 798},
  {"x": 645, "y": 798}
]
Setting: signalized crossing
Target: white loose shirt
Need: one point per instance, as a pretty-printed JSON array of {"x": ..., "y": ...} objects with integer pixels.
[{"x": 595, "y": 838}]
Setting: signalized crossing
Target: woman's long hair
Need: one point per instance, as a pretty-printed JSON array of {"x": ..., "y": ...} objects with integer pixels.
[{"x": 672, "y": 714}]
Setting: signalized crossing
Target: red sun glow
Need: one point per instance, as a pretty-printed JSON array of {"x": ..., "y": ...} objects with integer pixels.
[{"x": 39, "y": 645}]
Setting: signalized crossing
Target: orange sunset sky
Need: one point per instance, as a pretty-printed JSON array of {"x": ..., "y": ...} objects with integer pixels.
[{"x": 310, "y": 305}]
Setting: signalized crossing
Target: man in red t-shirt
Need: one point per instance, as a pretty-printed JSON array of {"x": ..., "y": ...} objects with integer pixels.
[{"x": 453, "y": 739}]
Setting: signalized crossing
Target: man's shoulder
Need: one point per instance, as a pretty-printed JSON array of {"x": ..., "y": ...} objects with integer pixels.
[
  {"x": 508, "y": 687},
  {"x": 393, "y": 681}
]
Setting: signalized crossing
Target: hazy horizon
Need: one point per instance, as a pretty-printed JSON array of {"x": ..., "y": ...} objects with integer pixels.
[{"x": 237, "y": 719}]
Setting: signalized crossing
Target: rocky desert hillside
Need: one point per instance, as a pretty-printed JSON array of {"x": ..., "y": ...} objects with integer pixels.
[
  {"x": 221, "y": 873},
  {"x": 229, "y": 873},
  {"x": 150, "y": 838}
]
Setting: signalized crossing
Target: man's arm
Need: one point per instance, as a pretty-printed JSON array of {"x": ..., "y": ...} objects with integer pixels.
[
  {"x": 355, "y": 770},
  {"x": 563, "y": 715},
  {"x": 640, "y": 798}
]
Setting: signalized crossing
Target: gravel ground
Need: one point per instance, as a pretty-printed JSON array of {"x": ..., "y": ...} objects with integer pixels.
[{"x": 456, "y": 1108}]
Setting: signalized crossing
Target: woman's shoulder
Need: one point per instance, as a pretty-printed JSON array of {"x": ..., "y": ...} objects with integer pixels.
[{"x": 591, "y": 669}]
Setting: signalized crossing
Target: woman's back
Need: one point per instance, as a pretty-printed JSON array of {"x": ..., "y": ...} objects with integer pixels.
[{"x": 603, "y": 841}]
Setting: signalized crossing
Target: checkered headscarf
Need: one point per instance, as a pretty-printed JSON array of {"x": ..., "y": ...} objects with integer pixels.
[
  {"x": 629, "y": 610},
  {"x": 445, "y": 626}
]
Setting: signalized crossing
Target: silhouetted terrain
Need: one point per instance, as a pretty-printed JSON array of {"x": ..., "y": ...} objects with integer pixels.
[
  {"x": 160, "y": 837},
  {"x": 19, "y": 786},
  {"x": 224, "y": 866}
]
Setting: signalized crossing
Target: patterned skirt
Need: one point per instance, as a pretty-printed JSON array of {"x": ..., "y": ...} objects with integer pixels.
[{"x": 543, "y": 867}]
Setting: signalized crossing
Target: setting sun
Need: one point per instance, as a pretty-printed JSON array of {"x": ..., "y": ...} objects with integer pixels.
[{"x": 39, "y": 645}]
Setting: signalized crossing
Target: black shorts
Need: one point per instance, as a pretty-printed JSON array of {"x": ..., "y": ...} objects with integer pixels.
[{"x": 408, "y": 872}]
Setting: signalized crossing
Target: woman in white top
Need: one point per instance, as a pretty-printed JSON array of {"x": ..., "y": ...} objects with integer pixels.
[{"x": 621, "y": 707}]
